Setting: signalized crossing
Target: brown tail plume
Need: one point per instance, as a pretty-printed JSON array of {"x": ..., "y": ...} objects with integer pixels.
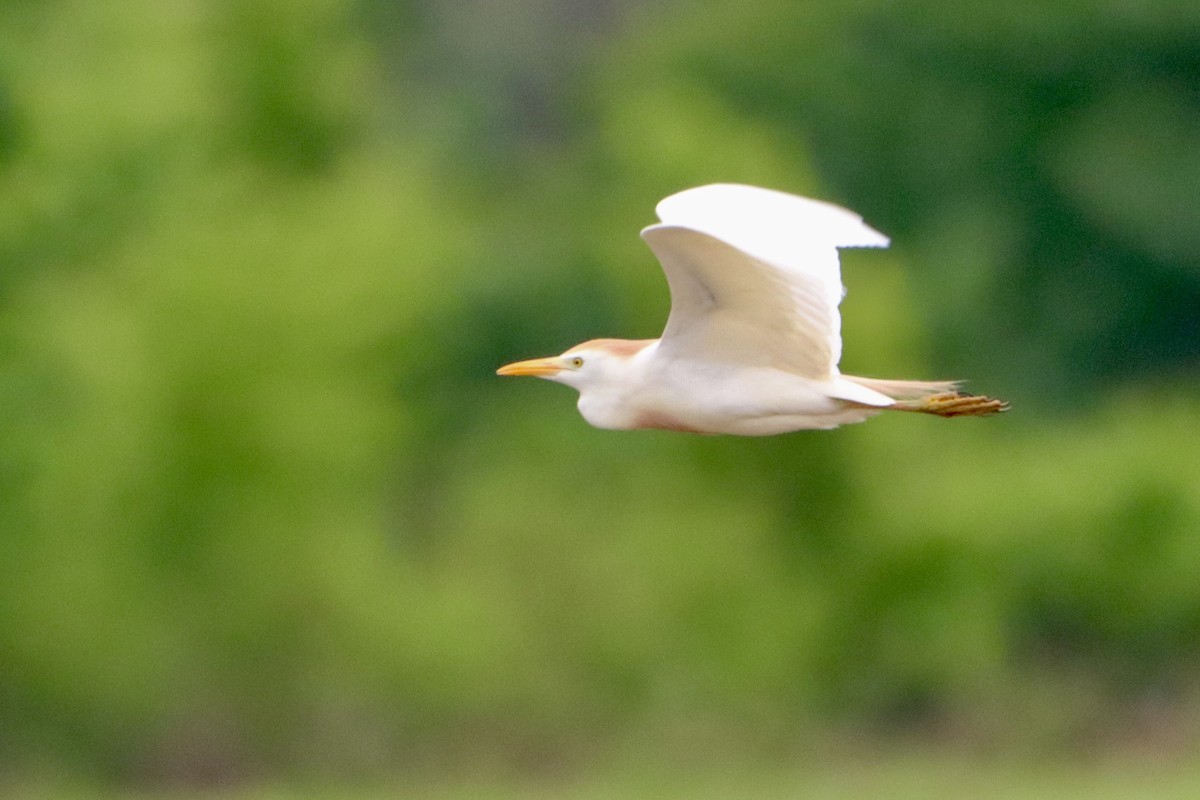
[
  {"x": 940, "y": 398},
  {"x": 953, "y": 404}
]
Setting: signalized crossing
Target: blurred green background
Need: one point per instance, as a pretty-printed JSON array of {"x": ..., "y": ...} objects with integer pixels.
[{"x": 267, "y": 518}]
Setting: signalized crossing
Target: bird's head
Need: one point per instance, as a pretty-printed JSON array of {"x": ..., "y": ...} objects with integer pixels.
[{"x": 586, "y": 365}]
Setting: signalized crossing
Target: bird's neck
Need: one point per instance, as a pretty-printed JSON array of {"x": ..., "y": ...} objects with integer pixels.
[{"x": 615, "y": 399}]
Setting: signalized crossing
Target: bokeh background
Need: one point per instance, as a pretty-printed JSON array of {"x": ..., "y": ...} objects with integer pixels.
[{"x": 268, "y": 519}]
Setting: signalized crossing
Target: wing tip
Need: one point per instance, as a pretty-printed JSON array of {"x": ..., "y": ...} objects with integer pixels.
[
  {"x": 712, "y": 207},
  {"x": 872, "y": 238}
]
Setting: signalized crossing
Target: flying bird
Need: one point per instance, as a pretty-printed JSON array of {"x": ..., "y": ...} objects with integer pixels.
[{"x": 753, "y": 339}]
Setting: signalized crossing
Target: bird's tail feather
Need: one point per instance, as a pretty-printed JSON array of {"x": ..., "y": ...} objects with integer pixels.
[
  {"x": 941, "y": 398},
  {"x": 905, "y": 390}
]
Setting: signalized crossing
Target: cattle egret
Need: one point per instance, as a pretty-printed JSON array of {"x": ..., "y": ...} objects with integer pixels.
[{"x": 753, "y": 340}]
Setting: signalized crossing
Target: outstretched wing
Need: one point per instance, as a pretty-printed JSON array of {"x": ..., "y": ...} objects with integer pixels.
[{"x": 754, "y": 276}]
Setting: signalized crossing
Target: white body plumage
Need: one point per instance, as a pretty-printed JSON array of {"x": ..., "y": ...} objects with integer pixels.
[
  {"x": 647, "y": 391},
  {"x": 753, "y": 339}
]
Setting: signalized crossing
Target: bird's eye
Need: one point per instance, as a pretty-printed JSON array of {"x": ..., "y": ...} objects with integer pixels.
[{"x": 576, "y": 362}]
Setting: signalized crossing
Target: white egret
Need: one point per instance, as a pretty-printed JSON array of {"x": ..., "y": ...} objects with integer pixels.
[{"x": 753, "y": 340}]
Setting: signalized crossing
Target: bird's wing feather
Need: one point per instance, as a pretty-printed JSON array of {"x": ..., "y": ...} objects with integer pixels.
[
  {"x": 754, "y": 276},
  {"x": 730, "y": 307}
]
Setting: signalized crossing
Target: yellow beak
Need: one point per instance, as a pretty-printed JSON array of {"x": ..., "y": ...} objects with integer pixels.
[{"x": 539, "y": 367}]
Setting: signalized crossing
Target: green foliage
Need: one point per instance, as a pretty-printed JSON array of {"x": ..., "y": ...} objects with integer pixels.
[
  {"x": 264, "y": 508},
  {"x": 1063, "y": 135}
]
